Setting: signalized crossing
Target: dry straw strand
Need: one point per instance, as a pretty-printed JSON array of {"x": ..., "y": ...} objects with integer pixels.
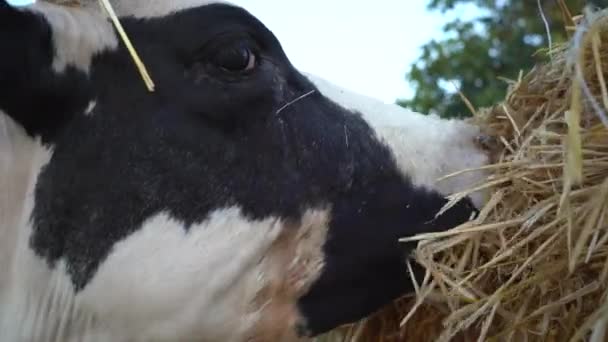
[
  {"x": 107, "y": 7},
  {"x": 138, "y": 63}
]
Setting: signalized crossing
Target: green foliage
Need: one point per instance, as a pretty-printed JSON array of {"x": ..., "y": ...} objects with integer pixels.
[{"x": 505, "y": 39}]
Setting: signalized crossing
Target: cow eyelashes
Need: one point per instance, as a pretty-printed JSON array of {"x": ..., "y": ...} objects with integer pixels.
[{"x": 236, "y": 57}]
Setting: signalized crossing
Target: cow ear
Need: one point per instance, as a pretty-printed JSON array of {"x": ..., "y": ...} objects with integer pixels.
[
  {"x": 25, "y": 53},
  {"x": 6, "y": 10},
  {"x": 31, "y": 92},
  {"x": 9, "y": 16}
]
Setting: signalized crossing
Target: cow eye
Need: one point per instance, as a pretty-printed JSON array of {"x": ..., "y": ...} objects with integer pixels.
[{"x": 235, "y": 58}]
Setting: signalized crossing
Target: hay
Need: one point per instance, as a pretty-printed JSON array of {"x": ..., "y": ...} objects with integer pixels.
[{"x": 533, "y": 266}]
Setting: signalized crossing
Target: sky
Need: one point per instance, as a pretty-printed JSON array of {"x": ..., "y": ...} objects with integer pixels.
[{"x": 366, "y": 46}]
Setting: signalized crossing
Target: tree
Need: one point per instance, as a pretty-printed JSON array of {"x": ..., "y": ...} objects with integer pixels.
[{"x": 503, "y": 41}]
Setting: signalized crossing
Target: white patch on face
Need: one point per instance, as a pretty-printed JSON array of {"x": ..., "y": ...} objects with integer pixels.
[
  {"x": 78, "y": 34},
  {"x": 23, "y": 276},
  {"x": 152, "y": 8},
  {"x": 40, "y": 304},
  {"x": 90, "y": 108},
  {"x": 21, "y": 159},
  {"x": 209, "y": 283},
  {"x": 425, "y": 147}
]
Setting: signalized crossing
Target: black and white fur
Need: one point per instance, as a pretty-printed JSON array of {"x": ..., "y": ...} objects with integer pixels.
[{"x": 216, "y": 208}]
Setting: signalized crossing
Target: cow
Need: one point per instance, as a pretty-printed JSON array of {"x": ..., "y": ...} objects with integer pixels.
[{"x": 240, "y": 200}]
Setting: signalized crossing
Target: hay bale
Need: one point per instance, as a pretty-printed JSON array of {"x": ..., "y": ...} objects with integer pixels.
[{"x": 533, "y": 266}]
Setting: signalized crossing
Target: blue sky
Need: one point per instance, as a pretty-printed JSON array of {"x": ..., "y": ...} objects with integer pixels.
[{"x": 366, "y": 46}]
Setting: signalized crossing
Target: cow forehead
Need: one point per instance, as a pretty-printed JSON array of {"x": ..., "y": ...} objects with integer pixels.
[
  {"x": 79, "y": 33},
  {"x": 152, "y": 8}
]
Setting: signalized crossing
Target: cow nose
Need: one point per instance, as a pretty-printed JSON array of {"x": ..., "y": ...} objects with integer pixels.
[{"x": 487, "y": 142}]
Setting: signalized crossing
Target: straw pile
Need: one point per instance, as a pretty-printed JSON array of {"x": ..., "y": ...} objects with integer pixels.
[{"x": 533, "y": 266}]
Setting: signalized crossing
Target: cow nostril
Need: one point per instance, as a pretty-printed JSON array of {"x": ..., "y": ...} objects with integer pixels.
[
  {"x": 487, "y": 142},
  {"x": 302, "y": 330}
]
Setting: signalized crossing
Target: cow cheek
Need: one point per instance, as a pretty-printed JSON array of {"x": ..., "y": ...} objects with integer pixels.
[{"x": 292, "y": 265}]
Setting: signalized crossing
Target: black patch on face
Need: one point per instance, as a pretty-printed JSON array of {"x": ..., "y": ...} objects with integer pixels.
[{"x": 210, "y": 138}]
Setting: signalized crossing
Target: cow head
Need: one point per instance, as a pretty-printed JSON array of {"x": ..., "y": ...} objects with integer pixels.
[{"x": 241, "y": 200}]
